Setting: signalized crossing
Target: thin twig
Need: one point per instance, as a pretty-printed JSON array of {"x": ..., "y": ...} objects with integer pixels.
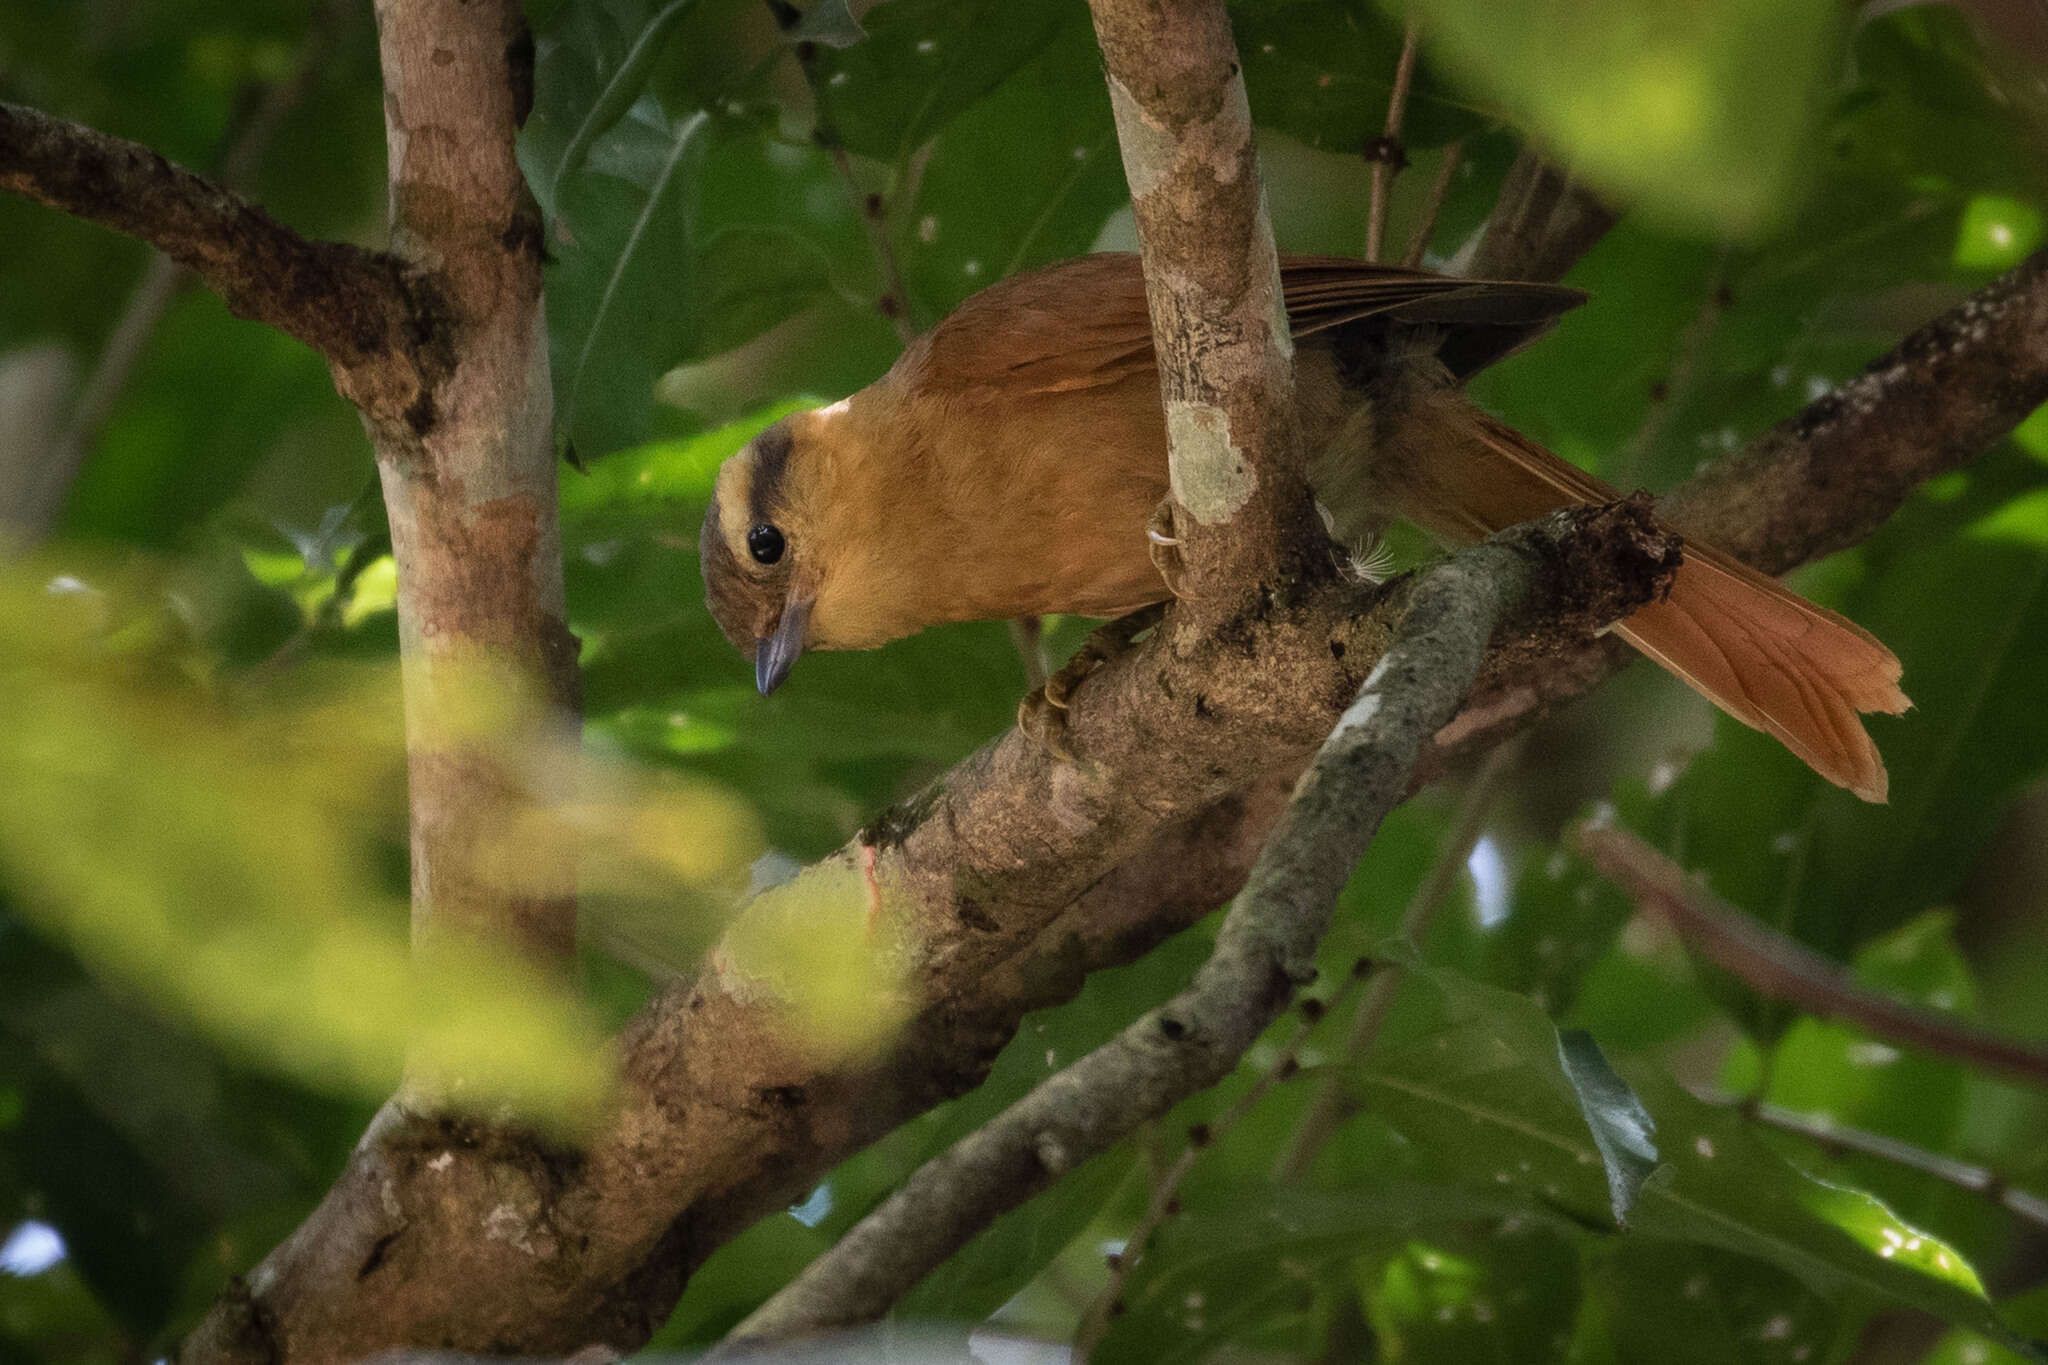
[
  {"x": 1433, "y": 206},
  {"x": 894, "y": 303},
  {"x": 1543, "y": 221},
  {"x": 1780, "y": 968},
  {"x": 1671, "y": 391},
  {"x": 1166, "y": 1187},
  {"x": 1331, "y": 1105},
  {"x": 1837, "y": 1139},
  {"x": 1386, "y": 153},
  {"x": 874, "y": 216},
  {"x": 1027, "y": 633}
]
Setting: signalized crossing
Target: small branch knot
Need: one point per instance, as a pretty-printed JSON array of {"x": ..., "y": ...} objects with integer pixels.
[{"x": 1386, "y": 150}]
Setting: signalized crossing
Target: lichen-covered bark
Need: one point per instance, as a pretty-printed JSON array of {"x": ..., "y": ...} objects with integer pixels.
[{"x": 1212, "y": 279}]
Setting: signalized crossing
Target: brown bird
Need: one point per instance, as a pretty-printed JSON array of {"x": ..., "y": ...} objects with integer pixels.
[{"x": 1009, "y": 463}]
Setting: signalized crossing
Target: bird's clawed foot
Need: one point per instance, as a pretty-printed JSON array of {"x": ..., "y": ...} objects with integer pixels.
[
  {"x": 1042, "y": 715},
  {"x": 1165, "y": 545}
]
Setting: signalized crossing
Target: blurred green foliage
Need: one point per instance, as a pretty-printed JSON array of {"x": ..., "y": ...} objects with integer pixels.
[{"x": 201, "y": 850}]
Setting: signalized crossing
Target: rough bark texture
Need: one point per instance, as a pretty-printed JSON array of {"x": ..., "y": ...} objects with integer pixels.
[
  {"x": 1212, "y": 279},
  {"x": 430, "y": 1209},
  {"x": 1014, "y": 874}
]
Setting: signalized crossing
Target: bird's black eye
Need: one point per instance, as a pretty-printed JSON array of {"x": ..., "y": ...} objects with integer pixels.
[{"x": 764, "y": 543}]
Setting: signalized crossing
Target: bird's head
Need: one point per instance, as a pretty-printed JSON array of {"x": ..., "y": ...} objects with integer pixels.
[
  {"x": 760, "y": 576},
  {"x": 799, "y": 548}
]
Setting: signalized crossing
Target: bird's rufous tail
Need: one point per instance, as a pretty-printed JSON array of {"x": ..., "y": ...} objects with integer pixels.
[{"x": 1760, "y": 652}]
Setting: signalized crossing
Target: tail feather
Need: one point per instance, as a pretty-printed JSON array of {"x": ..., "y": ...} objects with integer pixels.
[
  {"x": 1760, "y": 652},
  {"x": 1775, "y": 662}
]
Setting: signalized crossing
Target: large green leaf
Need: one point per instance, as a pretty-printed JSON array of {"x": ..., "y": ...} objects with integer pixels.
[
  {"x": 925, "y": 61},
  {"x": 1025, "y": 175},
  {"x": 1482, "y": 1094},
  {"x": 1323, "y": 71}
]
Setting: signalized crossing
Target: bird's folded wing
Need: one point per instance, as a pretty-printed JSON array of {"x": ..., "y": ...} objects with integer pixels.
[{"x": 1084, "y": 323}]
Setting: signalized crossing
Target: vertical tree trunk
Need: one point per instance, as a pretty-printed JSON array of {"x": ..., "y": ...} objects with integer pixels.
[{"x": 469, "y": 481}]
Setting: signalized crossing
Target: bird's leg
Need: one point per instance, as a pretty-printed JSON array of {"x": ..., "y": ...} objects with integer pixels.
[
  {"x": 1165, "y": 545},
  {"x": 1042, "y": 714}
]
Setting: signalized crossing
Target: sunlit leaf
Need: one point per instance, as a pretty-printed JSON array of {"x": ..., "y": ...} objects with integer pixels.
[
  {"x": 823, "y": 945},
  {"x": 1696, "y": 114},
  {"x": 1483, "y": 1094},
  {"x": 1997, "y": 232},
  {"x": 245, "y": 896}
]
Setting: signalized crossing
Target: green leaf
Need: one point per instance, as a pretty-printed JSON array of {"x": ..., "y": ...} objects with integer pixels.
[
  {"x": 1483, "y": 1093},
  {"x": 1506, "y": 1291},
  {"x": 618, "y": 95},
  {"x": 1692, "y": 1305},
  {"x": 1322, "y": 71},
  {"x": 1695, "y": 115},
  {"x": 925, "y": 62},
  {"x": 1997, "y": 232},
  {"x": 614, "y": 310},
  {"x": 1621, "y": 1127},
  {"x": 1250, "y": 1266},
  {"x": 1024, "y": 176}
]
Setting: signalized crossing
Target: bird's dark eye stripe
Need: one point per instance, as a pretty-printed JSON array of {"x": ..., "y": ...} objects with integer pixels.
[{"x": 764, "y": 543}]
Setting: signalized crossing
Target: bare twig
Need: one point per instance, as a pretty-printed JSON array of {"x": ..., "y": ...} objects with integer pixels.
[
  {"x": 1433, "y": 206},
  {"x": 1543, "y": 222},
  {"x": 874, "y": 216},
  {"x": 1782, "y": 968},
  {"x": 1331, "y": 1105},
  {"x": 1027, "y": 633},
  {"x": 1670, "y": 391},
  {"x": 1097, "y": 1314},
  {"x": 1265, "y": 950},
  {"x": 1389, "y": 158},
  {"x": 358, "y": 308},
  {"x": 869, "y": 207},
  {"x": 1838, "y": 1139}
]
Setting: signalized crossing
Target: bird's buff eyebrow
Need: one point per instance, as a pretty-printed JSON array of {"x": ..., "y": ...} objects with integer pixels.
[{"x": 771, "y": 462}]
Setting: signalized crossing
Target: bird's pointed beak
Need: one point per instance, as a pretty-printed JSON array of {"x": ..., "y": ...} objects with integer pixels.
[{"x": 776, "y": 654}]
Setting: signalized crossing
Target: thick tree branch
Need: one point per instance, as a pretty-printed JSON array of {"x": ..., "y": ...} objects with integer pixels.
[
  {"x": 1241, "y": 508},
  {"x": 1265, "y": 951},
  {"x": 362, "y": 310},
  {"x": 1781, "y": 968}
]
